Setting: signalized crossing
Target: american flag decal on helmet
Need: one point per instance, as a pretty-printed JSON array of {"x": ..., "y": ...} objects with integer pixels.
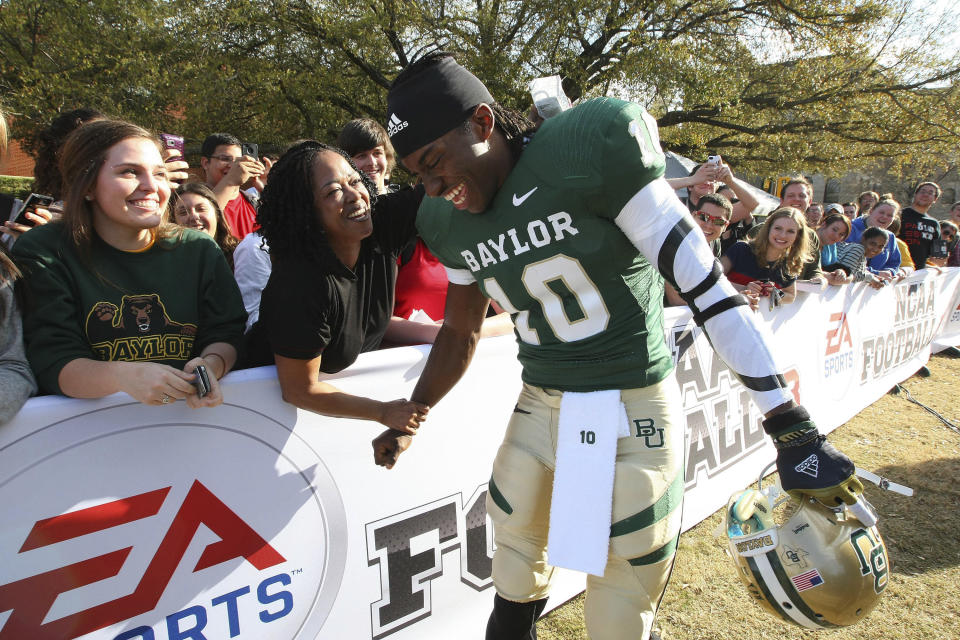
[{"x": 807, "y": 580}]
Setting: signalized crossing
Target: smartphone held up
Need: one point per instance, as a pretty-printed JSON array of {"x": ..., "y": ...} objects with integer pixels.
[
  {"x": 171, "y": 141},
  {"x": 250, "y": 149},
  {"x": 30, "y": 205}
]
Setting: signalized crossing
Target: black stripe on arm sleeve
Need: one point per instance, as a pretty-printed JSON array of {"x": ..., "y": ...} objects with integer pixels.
[
  {"x": 668, "y": 250},
  {"x": 712, "y": 278},
  {"x": 763, "y": 383},
  {"x": 719, "y": 307}
]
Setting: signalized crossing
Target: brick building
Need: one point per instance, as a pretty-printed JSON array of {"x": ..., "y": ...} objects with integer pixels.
[{"x": 16, "y": 162}]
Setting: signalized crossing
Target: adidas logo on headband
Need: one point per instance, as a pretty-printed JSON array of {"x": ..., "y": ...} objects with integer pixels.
[{"x": 395, "y": 125}]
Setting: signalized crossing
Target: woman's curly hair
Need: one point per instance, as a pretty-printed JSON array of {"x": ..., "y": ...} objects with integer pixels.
[
  {"x": 46, "y": 148},
  {"x": 287, "y": 214}
]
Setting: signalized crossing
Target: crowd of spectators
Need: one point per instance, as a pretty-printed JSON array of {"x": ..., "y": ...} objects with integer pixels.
[
  {"x": 871, "y": 240},
  {"x": 98, "y": 318},
  {"x": 308, "y": 260}
]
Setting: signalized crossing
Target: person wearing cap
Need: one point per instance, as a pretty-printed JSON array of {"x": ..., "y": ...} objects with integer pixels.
[
  {"x": 563, "y": 228},
  {"x": 833, "y": 207}
]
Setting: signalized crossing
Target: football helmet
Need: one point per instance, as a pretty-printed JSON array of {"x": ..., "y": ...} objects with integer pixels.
[{"x": 821, "y": 568}]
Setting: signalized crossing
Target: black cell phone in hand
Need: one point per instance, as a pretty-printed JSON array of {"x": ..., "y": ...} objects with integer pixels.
[
  {"x": 201, "y": 380},
  {"x": 250, "y": 149},
  {"x": 938, "y": 249},
  {"x": 30, "y": 205}
]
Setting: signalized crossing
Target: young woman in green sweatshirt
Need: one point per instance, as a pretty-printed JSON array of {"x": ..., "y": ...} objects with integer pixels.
[{"x": 118, "y": 299}]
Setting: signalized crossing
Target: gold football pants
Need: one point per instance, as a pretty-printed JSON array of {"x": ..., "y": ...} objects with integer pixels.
[{"x": 647, "y": 494}]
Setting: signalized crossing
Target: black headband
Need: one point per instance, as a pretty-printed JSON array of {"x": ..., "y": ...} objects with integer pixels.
[{"x": 429, "y": 104}]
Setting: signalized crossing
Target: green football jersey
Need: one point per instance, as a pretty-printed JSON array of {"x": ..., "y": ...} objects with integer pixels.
[{"x": 586, "y": 305}]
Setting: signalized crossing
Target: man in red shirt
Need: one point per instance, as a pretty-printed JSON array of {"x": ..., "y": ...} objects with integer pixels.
[{"x": 225, "y": 169}]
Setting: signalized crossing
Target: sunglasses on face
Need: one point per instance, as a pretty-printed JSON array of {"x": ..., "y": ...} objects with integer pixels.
[
  {"x": 947, "y": 236},
  {"x": 718, "y": 221}
]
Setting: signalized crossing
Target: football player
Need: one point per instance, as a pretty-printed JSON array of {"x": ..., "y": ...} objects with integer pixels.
[{"x": 566, "y": 228}]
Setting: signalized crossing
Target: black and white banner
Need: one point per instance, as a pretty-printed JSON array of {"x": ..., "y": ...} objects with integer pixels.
[{"x": 256, "y": 520}]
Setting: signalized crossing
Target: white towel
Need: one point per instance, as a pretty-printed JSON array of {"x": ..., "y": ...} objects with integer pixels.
[
  {"x": 419, "y": 315},
  {"x": 580, "y": 512}
]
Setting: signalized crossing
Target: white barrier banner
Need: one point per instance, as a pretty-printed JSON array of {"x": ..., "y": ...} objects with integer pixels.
[
  {"x": 256, "y": 520},
  {"x": 841, "y": 350},
  {"x": 949, "y": 335}
]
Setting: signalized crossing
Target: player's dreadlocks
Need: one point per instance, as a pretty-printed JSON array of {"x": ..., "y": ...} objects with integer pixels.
[
  {"x": 287, "y": 216},
  {"x": 514, "y": 126}
]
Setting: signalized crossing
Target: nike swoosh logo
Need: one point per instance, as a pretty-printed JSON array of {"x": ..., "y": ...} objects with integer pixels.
[{"x": 519, "y": 201}]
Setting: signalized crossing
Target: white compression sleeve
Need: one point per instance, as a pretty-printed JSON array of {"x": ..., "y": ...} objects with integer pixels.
[
  {"x": 459, "y": 276},
  {"x": 660, "y": 227}
]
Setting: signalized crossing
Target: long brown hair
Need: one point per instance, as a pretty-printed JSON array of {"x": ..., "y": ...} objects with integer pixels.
[
  {"x": 837, "y": 217},
  {"x": 798, "y": 253},
  {"x": 82, "y": 157},
  {"x": 223, "y": 236}
]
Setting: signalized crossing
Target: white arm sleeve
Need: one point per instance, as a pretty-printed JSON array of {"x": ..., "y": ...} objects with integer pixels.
[
  {"x": 660, "y": 227},
  {"x": 460, "y": 276},
  {"x": 251, "y": 269}
]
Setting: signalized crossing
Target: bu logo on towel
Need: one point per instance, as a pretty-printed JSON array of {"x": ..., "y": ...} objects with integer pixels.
[{"x": 651, "y": 434}]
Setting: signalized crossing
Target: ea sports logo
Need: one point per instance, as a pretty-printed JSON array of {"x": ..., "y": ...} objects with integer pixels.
[
  {"x": 839, "y": 356},
  {"x": 30, "y": 599},
  {"x": 118, "y": 525},
  {"x": 838, "y": 334}
]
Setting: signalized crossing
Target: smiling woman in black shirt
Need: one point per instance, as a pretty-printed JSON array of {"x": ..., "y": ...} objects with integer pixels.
[{"x": 334, "y": 249}]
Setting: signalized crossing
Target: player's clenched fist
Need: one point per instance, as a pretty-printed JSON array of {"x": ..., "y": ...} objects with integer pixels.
[{"x": 388, "y": 446}]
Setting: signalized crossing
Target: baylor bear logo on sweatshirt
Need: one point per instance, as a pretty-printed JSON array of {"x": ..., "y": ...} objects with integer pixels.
[{"x": 140, "y": 329}]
